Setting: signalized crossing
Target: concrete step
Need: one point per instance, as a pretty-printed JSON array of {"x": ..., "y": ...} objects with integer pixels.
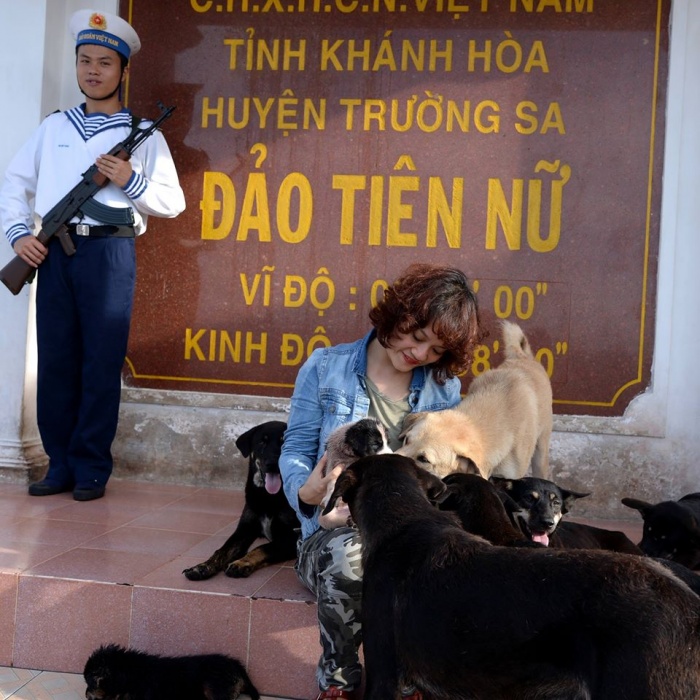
[{"x": 77, "y": 575}]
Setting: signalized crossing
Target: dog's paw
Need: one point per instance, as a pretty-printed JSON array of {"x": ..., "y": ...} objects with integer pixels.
[
  {"x": 201, "y": 572},
  {"x": 239, "y": 569}
]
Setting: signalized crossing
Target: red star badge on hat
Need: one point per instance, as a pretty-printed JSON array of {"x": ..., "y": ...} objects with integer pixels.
[{"x": 98, "y": 21}]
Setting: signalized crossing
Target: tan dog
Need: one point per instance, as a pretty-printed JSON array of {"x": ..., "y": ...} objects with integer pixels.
[{"x": 502, "y": 426}]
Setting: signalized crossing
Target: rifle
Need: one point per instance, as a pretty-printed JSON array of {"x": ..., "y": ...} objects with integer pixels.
[{"x": 17, "y": 272}]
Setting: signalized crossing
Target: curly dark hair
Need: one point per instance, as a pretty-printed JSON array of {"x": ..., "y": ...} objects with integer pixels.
[{"x": 435, "y": 296}]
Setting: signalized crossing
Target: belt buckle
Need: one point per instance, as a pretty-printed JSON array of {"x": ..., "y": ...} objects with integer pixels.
[{"x": 82, "y": 229}]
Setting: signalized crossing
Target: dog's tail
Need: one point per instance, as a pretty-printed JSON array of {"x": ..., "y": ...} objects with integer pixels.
[{"x": 515, "y": 343}]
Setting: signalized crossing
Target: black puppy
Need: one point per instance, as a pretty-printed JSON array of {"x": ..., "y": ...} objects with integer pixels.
[
  {"x": 115, "y": 673},
  {"x": 480, "y": 510},
  {"x": 266, "y": 513},
  {"x": 536, "y": 506},
  {"x": 671, "y": 529},
  {"x": 456, "y": 617},
  {"x": 360, "y": 438}
]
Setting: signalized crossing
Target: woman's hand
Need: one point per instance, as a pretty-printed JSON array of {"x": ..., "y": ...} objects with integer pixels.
[{"x": 316, "y": 486}]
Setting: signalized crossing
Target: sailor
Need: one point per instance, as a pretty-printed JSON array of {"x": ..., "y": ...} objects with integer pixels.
[{"x": 84, "y": 300}]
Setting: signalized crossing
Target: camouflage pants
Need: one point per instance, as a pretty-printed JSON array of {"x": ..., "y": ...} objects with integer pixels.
[{"x": 328, "y": 564}]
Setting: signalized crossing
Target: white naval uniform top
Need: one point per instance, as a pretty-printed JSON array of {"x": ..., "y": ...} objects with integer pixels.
[{"x": 64, "y": 146}]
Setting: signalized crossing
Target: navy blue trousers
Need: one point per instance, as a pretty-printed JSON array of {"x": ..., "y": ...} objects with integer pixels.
[{"x": 84, "y": 307}]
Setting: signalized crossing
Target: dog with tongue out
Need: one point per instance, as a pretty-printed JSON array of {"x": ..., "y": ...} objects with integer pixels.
[
  {"x": 535, "y": 505},
  {"x": 266, "y": 514}
]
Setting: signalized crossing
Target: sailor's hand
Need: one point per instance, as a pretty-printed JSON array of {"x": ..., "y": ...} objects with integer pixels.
[
  {"x": 31, "y": 250},
  {"x": 117, "y": 170}
]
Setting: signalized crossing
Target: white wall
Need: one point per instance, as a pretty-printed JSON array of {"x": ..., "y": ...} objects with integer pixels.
[
  {"x": 681, "y": 257},
  {"x": 21, "y": 84}
]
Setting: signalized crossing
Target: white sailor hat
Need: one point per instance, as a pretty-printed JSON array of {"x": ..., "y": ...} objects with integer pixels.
[{"x": 104, "y": 29}]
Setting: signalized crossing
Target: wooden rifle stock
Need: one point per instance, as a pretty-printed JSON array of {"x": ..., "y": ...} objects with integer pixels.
[{"x": 17, "y": 272}]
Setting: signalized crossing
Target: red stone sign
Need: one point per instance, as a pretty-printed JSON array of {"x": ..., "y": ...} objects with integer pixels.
[{"x": 324, "y": 145}]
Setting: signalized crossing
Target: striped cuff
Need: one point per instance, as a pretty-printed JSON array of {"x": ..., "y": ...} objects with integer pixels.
[
  {"x": 136, "y": 186},
  {"x": 14, "y": 233}
]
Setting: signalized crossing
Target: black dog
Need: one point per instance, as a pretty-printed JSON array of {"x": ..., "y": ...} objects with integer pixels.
[
  {"x": 266, "y": 513},
  {"x": 115, "y": 673},
  {"x": 484, "y": 510},
  {"x": 536, "y": 506},
  {"x": 459, "y": 618},
  {"x": 671, "y": 529},
  {"x": 540, "y": 504},
  {"x": 479, "y": 508}
]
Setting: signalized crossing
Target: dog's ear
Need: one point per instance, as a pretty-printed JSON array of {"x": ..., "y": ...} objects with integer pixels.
[
  {"x": 642, "y": 506},
  {"x": 345, "y": 487},
  {"x": 433, "y": 486},
  {"x": 409, "y": 421},
  {"x": 569, "y": 497},
  {"x": 244, "y": 443},
  {"x": 450, "y": 499},
  {"x": 510, "y": 504},
  {"x": 501, "y": 483},
  {"x": 468, "y": 466}
]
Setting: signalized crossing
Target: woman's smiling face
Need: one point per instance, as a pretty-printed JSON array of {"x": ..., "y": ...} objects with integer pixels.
[{"x": 415, "y": 349}]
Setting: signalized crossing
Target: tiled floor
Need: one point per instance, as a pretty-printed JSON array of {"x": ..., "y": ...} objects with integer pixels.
[
  {"x": 20, "y": 684},
  {"x": 40, "y": 685},
  {"x": 77, "y": 575}
]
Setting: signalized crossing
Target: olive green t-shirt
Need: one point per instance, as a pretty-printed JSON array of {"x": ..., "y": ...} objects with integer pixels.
[{"x": 390, "y": 413}]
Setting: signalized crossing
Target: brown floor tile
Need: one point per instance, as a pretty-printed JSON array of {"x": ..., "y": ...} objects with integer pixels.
[
  {"x": 144, "y": 540},
  {"x": 285, "y": 585},
  {"x": 185, "y": 521},
  {"x": 170, "y": 576},
  {"x": 284, "y": 647},
  {"x": 211, "y": 501},
  {"x": 209, "y": 544},
  {"x": 101, "y": 511},
  {"x": 8, "y": 606},
  {"x": 164, "y": 620},
  {"x": 21, "y": 505},
  {"x": 45, "y": 531},
  {"x": 60, "y": 622},
  {"x": 19, "y": 557},
  {"x": 100, "y": 565}
]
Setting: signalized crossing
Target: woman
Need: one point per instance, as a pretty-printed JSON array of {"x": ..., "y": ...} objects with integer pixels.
[{"x": 424, "y": 331}]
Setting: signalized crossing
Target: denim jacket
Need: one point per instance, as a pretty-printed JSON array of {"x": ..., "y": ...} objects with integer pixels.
[{"x": 330, "y": 390}]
